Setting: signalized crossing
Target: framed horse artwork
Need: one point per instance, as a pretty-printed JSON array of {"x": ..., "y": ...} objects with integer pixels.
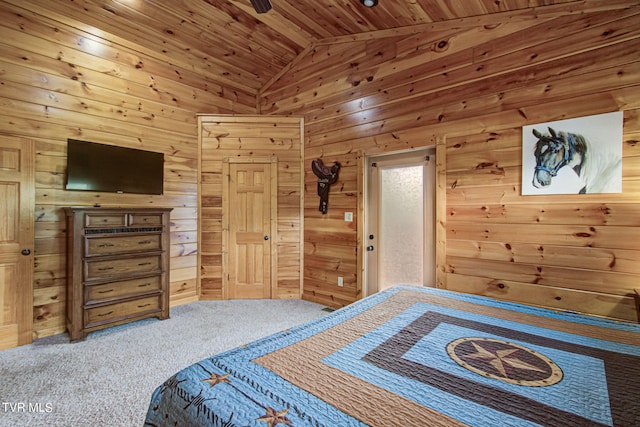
[{"x": 573, "y": 156}]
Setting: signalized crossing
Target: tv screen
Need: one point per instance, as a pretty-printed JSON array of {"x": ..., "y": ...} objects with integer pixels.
[{"x": 109, "y": 168}]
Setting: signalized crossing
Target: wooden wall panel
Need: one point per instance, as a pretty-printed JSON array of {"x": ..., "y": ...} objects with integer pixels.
[
  {"x": 473, "y": 89},
  {"x": 245, "y": 136},
  {"x": 69, "y": 74}
]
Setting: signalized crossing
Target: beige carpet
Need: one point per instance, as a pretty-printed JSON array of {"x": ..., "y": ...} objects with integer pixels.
[{"x": 107, "y": 380}]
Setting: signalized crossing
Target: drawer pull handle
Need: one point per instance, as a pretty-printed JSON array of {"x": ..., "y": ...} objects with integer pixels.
[
  {"x": 144, "y": 285},
  {"x": 144, "y": 305},
  {"x": 105, "y": 314},
  {"x": 105, "y": 268},
  {"x": 144, "y": 242},
  {"x": 145, "y": 263},
  {"x": 106, "y": 245},
  {"x": 105, "y": 292}
]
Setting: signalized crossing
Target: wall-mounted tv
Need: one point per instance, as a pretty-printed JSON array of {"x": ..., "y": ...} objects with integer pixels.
[{"x": 109, "y": 168}]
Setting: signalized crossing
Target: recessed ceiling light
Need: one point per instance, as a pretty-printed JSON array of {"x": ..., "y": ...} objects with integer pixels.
[{"x": 369, "y": 3}]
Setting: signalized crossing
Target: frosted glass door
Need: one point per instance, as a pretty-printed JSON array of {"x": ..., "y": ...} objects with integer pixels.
[
  {"x": 399, "y": 220},
  {"x": 401, "y": 227}
]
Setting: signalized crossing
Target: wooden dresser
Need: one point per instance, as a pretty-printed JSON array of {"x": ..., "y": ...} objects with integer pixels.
[{"x": 117, "y": 266}]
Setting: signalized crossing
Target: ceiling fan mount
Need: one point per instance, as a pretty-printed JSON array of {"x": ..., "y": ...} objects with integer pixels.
[
  {"x": 261, "y": 6},
  {"x": 264, "y": 6}
]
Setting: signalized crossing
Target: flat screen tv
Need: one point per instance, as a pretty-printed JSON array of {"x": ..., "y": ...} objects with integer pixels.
[{"x": 109, "y": 168}]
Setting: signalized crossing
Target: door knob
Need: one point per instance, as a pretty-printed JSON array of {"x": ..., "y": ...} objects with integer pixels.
[
  {"x": 26, "y": 252},
  {"x": 369, "y": 248},
  {"x": 266, "y": 237}
]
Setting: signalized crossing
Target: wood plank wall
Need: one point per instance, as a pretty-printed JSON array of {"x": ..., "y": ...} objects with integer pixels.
[
  {"x": 470, "y": 87},
  {"x": 473, "y": 88},
  {"x": 230, "y": 137},
  {"x": 62, "y": 78}
]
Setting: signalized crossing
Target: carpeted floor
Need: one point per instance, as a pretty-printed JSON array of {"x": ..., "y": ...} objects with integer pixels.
[{"x": 107, "y": 379}]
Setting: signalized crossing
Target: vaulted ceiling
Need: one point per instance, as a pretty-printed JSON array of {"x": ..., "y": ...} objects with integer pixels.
[{"x": 230, "y": 44}]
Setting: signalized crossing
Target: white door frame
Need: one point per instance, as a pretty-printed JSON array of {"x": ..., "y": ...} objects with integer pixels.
[{"x": 369, "y": 216}]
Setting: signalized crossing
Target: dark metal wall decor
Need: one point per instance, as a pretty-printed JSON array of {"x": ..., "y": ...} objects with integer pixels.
[{"x": 326, "y": 176}]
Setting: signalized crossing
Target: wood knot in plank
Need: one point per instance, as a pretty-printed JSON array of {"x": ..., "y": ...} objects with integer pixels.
[{"x": 441, "y": 46}]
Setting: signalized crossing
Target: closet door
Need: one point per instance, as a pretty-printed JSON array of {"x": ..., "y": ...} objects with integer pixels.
[
  {"x": 16, "y": 241},
  {"x": 248, "y": 201}
]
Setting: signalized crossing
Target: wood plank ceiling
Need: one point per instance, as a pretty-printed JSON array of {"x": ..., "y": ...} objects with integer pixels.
[{"x": 230, "y": 45}]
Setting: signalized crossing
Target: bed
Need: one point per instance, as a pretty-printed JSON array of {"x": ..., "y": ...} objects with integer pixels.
[{"x": 411, "y": 356}]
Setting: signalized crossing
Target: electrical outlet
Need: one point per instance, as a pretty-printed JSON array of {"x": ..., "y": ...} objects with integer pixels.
[{"x": 340, "y": 281}]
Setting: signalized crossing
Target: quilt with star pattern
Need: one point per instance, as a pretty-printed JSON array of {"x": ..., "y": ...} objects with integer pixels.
[{"x": 412, "y": 356}]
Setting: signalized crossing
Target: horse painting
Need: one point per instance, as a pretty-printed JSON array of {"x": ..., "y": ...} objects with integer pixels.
[{"x": 596, "y": 169}]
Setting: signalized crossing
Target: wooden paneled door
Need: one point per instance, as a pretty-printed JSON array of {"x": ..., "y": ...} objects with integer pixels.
[
  {"x": 17, "y": 190},
  {"x": 250, "y": 218}
]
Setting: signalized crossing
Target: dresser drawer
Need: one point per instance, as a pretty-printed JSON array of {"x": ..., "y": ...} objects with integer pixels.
[
  {"x": 104, "y": 219},
  {"x": 123, "y": 288},
  {"x": 104, "y": 245},
  {"x": 122, "y": 267},
  {"x": 145, "y": 220},
  {"x": 121, "y": 310}
]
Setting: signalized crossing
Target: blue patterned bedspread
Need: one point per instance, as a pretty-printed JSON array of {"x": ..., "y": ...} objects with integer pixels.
[{"x": 413, "y": 356}]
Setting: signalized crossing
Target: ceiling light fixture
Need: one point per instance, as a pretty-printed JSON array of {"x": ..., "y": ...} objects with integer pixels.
[
  {"x": 261, "y": 6},
  {"x": 369, "y": 3}
]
